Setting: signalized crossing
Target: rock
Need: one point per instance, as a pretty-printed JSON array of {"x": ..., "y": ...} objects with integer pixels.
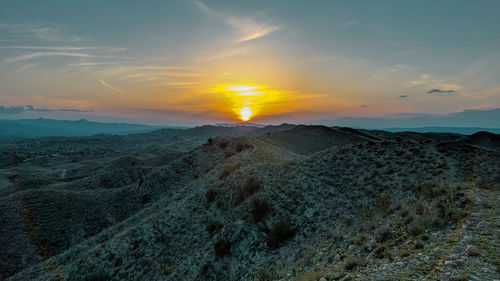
[
  {"x": 477, "y": 214},
  {"x": 467, "y": 238},
  {"x": 483, "y": 224},
  {"x": 322, "y": 279},
  {"x": 450, "y": 263},
  {"x": 351, "y": 247},
  {"x": 438, "y": 251},
  {"x": 427, "y": 259},
  {"x": 471, "y": 251}
]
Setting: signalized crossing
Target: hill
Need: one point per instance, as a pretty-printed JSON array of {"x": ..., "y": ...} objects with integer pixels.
[{"x": 245, "y": 203}]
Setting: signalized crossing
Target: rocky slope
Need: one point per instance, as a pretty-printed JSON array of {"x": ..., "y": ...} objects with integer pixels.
[{"x": 274, "y": 203}]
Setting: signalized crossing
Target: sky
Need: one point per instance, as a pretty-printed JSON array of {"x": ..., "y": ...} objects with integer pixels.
[{"x": 198, "y": 62}]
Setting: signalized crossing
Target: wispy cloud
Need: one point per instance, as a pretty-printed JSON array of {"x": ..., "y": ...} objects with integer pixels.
[
  {"x": 110, "y": 87},
  {"x": 350, "y": 22},
  {"x": 47, "y": 54},
  {"x": 63, "y": 48},
  {"x": 45, "y": 32},
  {"x": 247, "y": 27},
  {"x": 223, "y": 55},
  {"x": 250, "y": 29}
]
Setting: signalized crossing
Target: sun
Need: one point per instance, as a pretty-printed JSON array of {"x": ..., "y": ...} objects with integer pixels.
[
  {"x": 248, "y": 101},
  {"x": 245, "y": 113}
]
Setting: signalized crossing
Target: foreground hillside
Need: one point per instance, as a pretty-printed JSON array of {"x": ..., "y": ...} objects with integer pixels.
[{"x": 245, "y": 203}]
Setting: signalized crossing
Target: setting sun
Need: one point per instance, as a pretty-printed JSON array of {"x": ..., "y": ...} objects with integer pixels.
[
  {"x": 245, "y": 102},
  {"x": 245, "y": 113}
]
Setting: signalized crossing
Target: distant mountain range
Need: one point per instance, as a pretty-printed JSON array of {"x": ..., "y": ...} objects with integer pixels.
[{"x": 34, "y": 128}]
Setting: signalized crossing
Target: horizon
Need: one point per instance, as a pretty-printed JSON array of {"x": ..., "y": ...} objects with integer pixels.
[{"x": 187, "y": 63}]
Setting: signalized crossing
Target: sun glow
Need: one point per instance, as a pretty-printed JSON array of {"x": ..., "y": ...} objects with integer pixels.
[
  {"x": 245, "y": 113},
  {"x": 248, "y": 101}
]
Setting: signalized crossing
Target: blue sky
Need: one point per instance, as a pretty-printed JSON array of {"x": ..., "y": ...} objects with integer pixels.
[{"x": 169, "y": 61}]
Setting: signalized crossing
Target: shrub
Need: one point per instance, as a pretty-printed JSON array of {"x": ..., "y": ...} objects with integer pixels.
[
  {"x": 229, "y": 169},
  {"x": 417, "y": 227},
  {"x": 240, "y": 147},
  {"x": 384, "y": 235},
  {"x": 280, "y": 232},
  {"x": 266, "y": 276},
  {"x": 214, "y": 227},
  {"x": 250, "y": 187},
  {"x": 381, "y": 252},
  {"x": 419, "y": 245},
  {"x": 353, "y": 262},
  {"x": 229, "y": 153},
  {"x": 222, "y": 248},
  {"x": 98, "y": 276},
  {"x": 211, "y": 194},
  {"x": 223, "y": 144},
  {"x": 404, "y": 253},
  {"x": 259, "y": 206}
]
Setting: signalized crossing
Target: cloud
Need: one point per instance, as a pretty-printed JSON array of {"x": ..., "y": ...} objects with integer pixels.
[
  {"x": 48, "y": 54},
  {"x": 111, "y": 87},
  {"x": 63, "y": 48},
  {"x": 250, "y": 29},
  {"x": 21, "y": 109},
  {"x": 350, "y": 22},
  {"x": 223, "y": 55},
  {"x": 247, "y": 27},
  {"x": 45, "y": 32},
  {"x": 438, "y": 91}
]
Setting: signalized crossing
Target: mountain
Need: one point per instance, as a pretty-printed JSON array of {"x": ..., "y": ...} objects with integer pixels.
[
  {"x": 458, "y": 130},
  {"x": 34, "y": 128},
  {"x": 467, "y": 118},
  {"x": 288, "y": 202}
]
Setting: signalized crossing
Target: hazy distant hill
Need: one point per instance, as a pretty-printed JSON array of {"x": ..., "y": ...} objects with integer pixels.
[
  {"x": 458, "y": 130},
  {"x": 34, "y": 128}
]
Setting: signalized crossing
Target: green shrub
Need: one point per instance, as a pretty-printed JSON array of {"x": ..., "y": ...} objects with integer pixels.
[
  {"x": 353, "y": 262},
  {"x": 222, "y": 248},
  {"x": 259, "y": 206},
  {"x": 280, "y": 232}
]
